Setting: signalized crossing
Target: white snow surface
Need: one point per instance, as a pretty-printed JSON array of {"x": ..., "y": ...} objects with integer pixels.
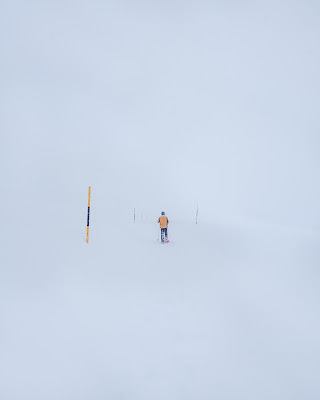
[{"x": 223, "y": 311}]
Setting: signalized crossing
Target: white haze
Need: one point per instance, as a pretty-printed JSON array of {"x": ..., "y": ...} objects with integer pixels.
[{"x": 160, "y": 106}]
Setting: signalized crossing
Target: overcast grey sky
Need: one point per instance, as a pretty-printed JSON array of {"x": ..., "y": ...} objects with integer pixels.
[{"x": 164, "y": 104}]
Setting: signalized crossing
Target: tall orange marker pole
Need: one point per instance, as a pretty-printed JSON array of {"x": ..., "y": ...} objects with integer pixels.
[
  {"x": 89, "y": 196},
  {"x": 197, "y": 215}
]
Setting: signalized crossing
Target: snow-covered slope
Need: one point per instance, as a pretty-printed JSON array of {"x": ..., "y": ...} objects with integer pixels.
[{"x": 224, "y": 311}]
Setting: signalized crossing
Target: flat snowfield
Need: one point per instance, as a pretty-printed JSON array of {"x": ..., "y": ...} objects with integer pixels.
[{"x": 221, "y": 312}]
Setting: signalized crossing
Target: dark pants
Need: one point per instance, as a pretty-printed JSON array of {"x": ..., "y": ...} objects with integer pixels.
[{"x": 164, "y": 233}]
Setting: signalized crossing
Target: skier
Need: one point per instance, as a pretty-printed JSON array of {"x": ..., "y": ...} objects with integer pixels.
[{"x": 163, "y": 221}]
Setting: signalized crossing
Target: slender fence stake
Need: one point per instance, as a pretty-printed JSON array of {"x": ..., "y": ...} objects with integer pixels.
[
  {"x": 89, "y": 196},
  {"x": 197, "y": 215}
]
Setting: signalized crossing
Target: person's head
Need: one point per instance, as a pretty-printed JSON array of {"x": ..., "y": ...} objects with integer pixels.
[{"x": 163, "y": 213}]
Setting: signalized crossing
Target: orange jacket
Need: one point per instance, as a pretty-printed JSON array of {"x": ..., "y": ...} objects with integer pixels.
[{"x": 163, "y": 221}]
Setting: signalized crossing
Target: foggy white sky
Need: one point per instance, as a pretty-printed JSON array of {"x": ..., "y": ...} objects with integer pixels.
[{"x": 217, "y": 102}]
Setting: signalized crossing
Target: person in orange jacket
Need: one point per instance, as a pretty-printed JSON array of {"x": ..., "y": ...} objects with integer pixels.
[{"x": 163, "y": 221}]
